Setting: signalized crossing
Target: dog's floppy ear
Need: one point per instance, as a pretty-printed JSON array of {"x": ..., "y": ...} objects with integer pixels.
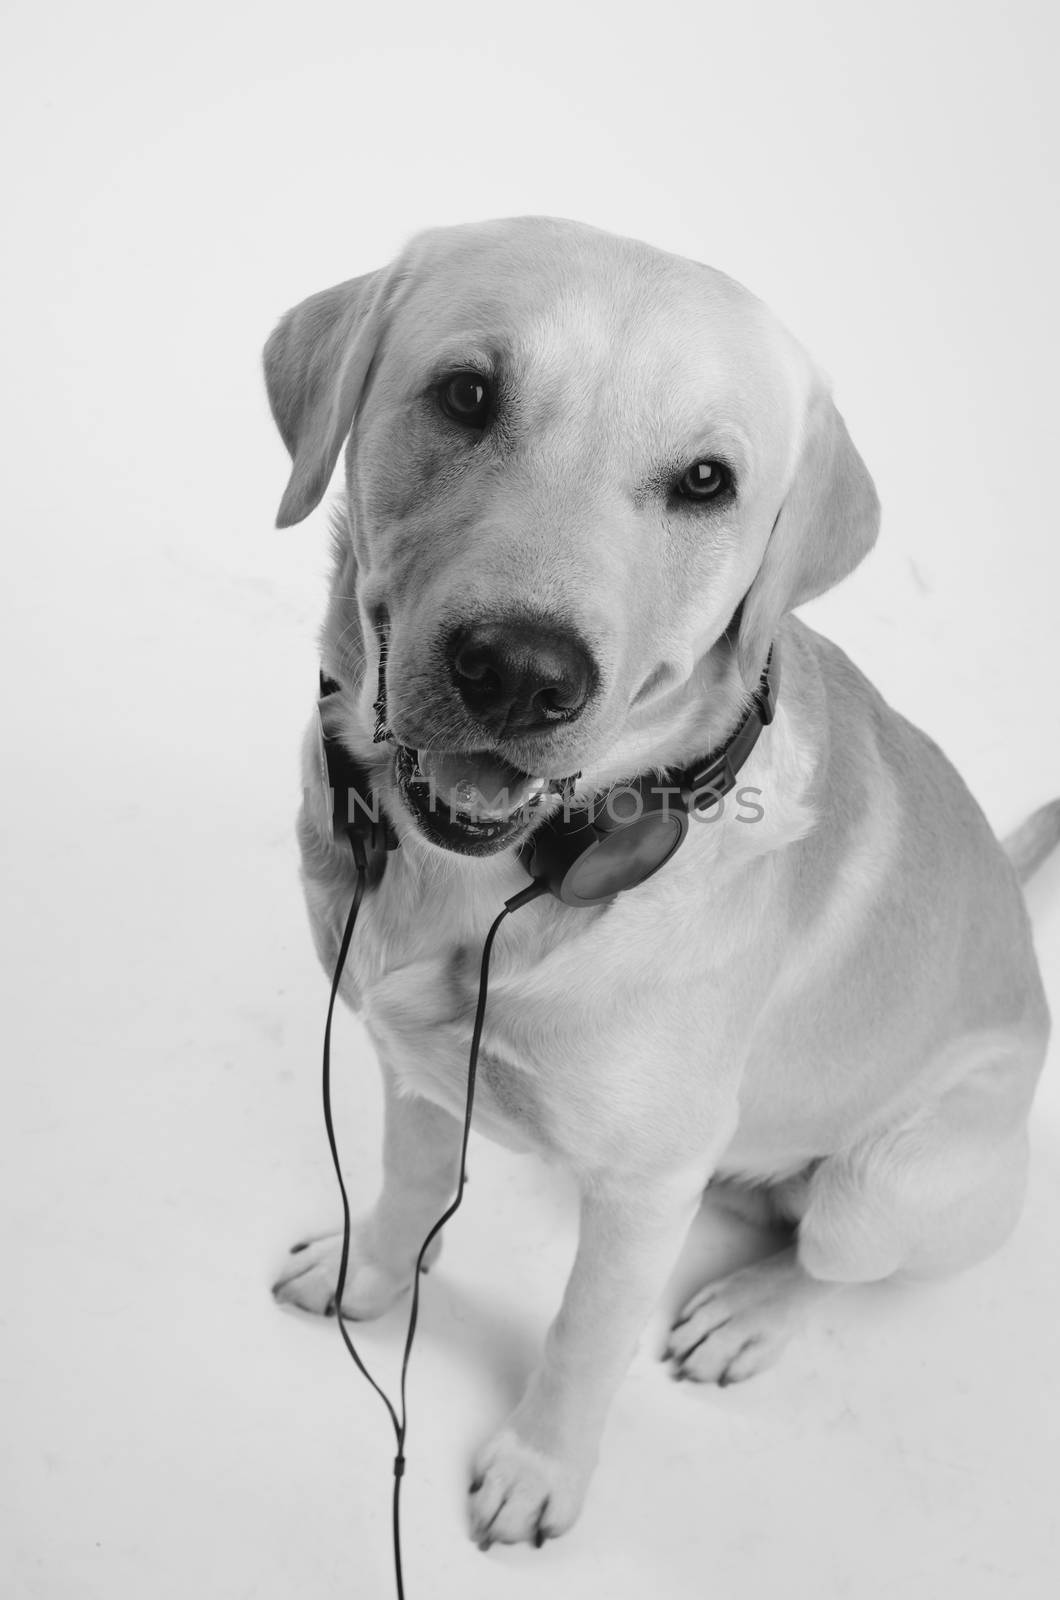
[
  {"x": 827, "y": 524},
  {"x": 316, "y": 363}
]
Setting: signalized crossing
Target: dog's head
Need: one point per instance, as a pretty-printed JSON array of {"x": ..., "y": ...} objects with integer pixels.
[{"x": 585, "y": 481}]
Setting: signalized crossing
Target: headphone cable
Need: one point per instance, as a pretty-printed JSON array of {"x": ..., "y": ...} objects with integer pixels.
[{"x": 531, "y": 892}]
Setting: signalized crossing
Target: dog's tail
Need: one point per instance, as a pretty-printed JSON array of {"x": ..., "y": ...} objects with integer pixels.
[{"x": 1030, "y": 843}]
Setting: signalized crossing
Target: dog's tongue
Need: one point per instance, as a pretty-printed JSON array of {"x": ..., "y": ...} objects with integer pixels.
[{"x": 478, "y": 783}]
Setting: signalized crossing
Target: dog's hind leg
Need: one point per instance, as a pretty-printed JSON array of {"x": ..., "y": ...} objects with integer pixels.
[
  {"x": 739, "y": 1324},
  {"x": 930, "y": 1196}
]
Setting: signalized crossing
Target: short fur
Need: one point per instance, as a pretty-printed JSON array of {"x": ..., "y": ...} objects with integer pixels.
[{"x": 836, "y": 1006}]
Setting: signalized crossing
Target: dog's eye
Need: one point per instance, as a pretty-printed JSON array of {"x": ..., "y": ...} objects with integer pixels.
[
  {"x": 705, "y": 480},
  {"x": 466, "y": 398}
]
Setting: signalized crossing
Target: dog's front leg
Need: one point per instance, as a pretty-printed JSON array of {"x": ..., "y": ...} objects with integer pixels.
[
  {"x": 529, "y": 1481},
  {"x": 421, "y": 1160}
]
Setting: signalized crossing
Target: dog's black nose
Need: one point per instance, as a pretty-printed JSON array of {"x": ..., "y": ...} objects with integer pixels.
[{"x": 517, "y": 675}]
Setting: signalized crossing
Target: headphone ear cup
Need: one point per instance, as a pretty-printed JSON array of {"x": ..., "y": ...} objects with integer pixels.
[
  {"x": 355, "y": 812},
  {"x": 588, "y": 857}
]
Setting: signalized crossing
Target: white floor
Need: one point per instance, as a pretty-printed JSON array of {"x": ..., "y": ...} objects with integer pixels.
[{"x": 167, "y": 1432}]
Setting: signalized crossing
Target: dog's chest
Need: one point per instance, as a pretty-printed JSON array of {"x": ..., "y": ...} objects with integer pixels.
[
  {"x": 421, "y": 1016},
  {"x": 414, "y": 978}
]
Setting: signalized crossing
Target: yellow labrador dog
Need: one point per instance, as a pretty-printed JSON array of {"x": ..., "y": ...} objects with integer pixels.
[{"x": 586, "y": 482}]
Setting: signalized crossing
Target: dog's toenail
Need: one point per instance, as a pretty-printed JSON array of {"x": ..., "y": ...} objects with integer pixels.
[
  {"x": 475, "y": 1486},
  {"x": 296, "y": 1249},
  {"x": 485, "y": 1544},
  {"x": 329, "y": 1309}
]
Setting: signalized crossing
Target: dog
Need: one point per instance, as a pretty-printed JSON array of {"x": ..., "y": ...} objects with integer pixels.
[{"x": 586, "y": 484}]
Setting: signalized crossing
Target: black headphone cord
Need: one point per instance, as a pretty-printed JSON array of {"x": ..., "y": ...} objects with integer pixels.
[{"x": 531, "y": 892}]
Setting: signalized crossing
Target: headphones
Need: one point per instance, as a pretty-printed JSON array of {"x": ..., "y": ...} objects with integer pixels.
[
  {"x": 347, "y": 786},
  {"x": 584, "y": 857}
]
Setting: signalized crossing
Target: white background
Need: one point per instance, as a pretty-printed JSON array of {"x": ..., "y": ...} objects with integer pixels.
[{"x": 177, "y": 176}]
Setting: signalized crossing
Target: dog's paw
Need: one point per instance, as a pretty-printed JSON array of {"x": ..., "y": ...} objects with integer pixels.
[
  {"x": 311, "y": 1274},
  {"x": 737, "y": 1326},
  {"x": 521, "y": 1495}
]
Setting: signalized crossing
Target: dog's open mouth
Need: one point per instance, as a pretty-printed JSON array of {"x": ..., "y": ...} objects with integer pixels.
[{"x": 471, "y": 801}]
